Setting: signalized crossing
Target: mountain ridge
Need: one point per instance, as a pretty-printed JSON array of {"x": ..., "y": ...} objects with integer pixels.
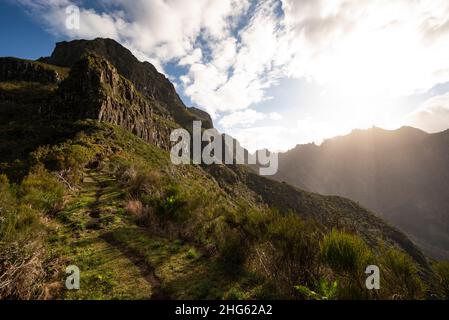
[{"x": 396, "y": 173}]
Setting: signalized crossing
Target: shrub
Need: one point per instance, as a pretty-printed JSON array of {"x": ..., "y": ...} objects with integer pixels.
[
  {"x": 141, "y": 213},
  {"x": 134, "y": 207},
  {"x": 21, "y": 254},
  {"x": 17, "y": 221},
  {"x": 345, "y": 253},
  {"x": 233, "y": 251},
  {"x": 124, "y": 173},
  {"x": 172, "y": 204},
  {"x": 400, "y": 275},
  {"x": 192, "y": 254},
  {"x": 139, "y": 181},
  {"x": 67, "y": 159},
  {"x": 22, "y": 271},
  {"x": 291, "y": 254},
  {"x": 143, "y": 182},
  {"x": 442, "y": 271},
  {"x": 42, "y": 191},
  {"x": 4, "y": 183}
]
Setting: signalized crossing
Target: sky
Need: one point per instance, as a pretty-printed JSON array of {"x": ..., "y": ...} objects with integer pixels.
[{"x": 272, "y": 73}]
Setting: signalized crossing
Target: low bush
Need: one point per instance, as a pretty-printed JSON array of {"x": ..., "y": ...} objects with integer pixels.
[
  {"x": 172, "y": 204},
  {"x": 442, "y": 271},
  {"x": 345, "y": 253},
  {"x": 64, "y": 156},
  {"x": 400, "y": 276},
  {"x": 42, "y": 191},
  {"x": 21, "y": 253},
  {"x": 17, "y": 221},
  {"x": 291, "y": 252},
  {"x": 233, "y": 250},
  {"x": 348, "y": 256},
  {"x": 143, "y": 182},
  {"x": 22, "y": 271},
  {"x": 67, "y": 160},
  {"x": 141, "y": 213},
  {"x": 234, "y": 293}
]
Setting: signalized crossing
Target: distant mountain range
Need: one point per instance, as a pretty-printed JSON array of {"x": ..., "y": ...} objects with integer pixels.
[{"x": 403, "y": 175}]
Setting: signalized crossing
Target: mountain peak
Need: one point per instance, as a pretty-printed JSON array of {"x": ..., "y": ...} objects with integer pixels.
[{"x": 144, "y": 76}]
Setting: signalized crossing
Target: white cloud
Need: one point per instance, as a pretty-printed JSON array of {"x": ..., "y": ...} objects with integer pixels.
[
  {"x": 368, "y": 48},
  {"x": 92, "y": 24},
  {"x": 163, "y": 30},
  {"x": 194, "y": 57},
  {"x": 275, "y": 116},
  {"x": 241, "y": 70},
  {"x": 236, "y": 73},
  {"x": 273, "y": 138},
  {"x": 400, "y": 46},
  {"x": 433, "y": 115},
  {"x": 241, "y": 119}
]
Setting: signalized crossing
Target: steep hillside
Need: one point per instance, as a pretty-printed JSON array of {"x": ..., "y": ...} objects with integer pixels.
[
  {"x": 402, "y": 175},
  {"x": 88, "y": 181}
]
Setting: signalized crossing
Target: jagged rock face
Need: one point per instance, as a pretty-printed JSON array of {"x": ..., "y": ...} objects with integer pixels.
[
  {"x": 13, "y": 69},
  {"x": 95, "y": 90},
  {"x": 203, "y": 116},
  {"x": 143, "y": 75}
]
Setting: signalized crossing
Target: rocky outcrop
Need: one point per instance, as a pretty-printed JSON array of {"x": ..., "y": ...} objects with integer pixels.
[
  {"x": 95, "y": 90},
  {"x": 143, "y": 75},
  {"x": 203, "y": 116},
  {"x": 13, "y": 69}
]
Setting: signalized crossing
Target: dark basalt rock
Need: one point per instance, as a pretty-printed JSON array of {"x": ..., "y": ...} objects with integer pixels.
[
  {"x": 95, "y": 90},
  {"x": 143, "y": 75},
  {"x": 13, "y": 69},
  {"x": 203, "y": 116}
]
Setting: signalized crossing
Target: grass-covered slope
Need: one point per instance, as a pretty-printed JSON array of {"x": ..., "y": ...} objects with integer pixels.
[{"x": 139, "y": 227}]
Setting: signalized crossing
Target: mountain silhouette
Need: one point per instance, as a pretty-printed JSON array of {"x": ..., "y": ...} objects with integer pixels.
[{"x": 402, "y": 175}]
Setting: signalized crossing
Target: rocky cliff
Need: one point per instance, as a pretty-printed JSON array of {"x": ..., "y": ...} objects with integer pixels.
[
  {"x": 143, "y": 75},
  {"x": 95, "y": 90},
  {"x": 13, "y": 69}
]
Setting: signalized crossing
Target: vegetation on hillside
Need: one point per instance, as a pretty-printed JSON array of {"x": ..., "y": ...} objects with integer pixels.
[{"x": 139, "y": 227}]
